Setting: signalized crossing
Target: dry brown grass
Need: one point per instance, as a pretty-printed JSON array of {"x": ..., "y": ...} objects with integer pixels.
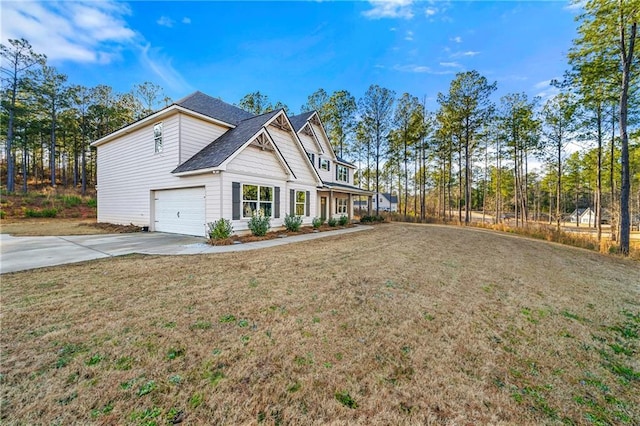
[
  {"x": 44, "y": 227},
  {"x": 416, "y": 324}
]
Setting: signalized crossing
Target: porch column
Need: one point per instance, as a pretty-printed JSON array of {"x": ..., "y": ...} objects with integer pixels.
[
  {"x": 349, "y": 206},
  {"x": 330, "y": 213},
  {"x": 370, "y": 198}
]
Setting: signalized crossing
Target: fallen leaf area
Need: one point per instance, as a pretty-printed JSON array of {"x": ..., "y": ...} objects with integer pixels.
[{"x": 400, "y": 324}]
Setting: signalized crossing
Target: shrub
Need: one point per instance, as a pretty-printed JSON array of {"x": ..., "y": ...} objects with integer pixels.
[
  {"x": 71, "y": 200},
  {"x": 2, "y": 214},
  {"x": 259, "y": 224},
  {"x": 343, "y": 220},
  {"x": 292, "y": 223},
  {"x": 41, "y": 213},
  {"x": 332, "y": 222},
  {"x": 317, "y": 222},
  {"x": 220, "y": 229},
  {"x": 371, "y": 218},
  {"x": 92, "y": 202}
]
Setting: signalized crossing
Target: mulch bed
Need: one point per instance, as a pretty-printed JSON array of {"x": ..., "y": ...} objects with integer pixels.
[{"x": 236, "y": 239}]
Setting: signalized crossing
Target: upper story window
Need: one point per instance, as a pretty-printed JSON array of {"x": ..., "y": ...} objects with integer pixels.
[
  {"x": 157, "y": 136},
  {"x": 255, "y": 198},
  {"x": 342, "y": 173},
  {"x": 312, "y": 157},
  {"x": 324, "y": 164}
]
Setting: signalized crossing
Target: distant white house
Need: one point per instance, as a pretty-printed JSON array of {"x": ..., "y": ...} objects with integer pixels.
[
  {"x": 586, "y": 217},
  {"x": 382, "y": 201}
]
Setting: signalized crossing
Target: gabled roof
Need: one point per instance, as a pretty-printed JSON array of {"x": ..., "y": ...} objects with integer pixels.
[
  {"x": 392, "y": 198},
  {"x": 298, "y": 121},
  {"x": 345, "y": 162},
  {"x": 214, "y": 154},
  {"x": 214, "y": 108}
]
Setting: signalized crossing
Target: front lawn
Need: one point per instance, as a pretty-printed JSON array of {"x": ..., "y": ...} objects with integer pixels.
[{"x": 402, "y": 324}]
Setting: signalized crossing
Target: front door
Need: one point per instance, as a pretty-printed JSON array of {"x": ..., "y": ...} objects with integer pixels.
[{"x": 323, "y": 208}]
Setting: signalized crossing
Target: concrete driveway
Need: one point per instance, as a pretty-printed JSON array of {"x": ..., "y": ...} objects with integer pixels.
[{"x": 22, "y": 253}]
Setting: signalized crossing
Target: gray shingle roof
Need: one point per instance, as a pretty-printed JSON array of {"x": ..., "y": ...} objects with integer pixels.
[
  {"x": 392, "y": 198},
  {"x": 222, "y": 148},
  {"x": 214, "y": 108},
  {"x": 298, "y": 121}
]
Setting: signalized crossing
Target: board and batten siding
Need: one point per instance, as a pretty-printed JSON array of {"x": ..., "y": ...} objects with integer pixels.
[
  {"x": 254, "y": 160},
  {"x": 195, "y": 134},
  {"x": 294, "y": 155},
  {"x": 129, "y": 170}
]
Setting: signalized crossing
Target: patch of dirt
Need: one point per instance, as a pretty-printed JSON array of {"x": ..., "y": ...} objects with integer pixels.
[{"x": 114, "y": 229}]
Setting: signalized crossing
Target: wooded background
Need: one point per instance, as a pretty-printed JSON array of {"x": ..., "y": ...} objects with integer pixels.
[{"x": 512, "y": 156}]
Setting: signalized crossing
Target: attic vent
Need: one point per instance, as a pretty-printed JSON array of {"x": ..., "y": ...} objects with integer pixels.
[{"x": 262, "y": 142}]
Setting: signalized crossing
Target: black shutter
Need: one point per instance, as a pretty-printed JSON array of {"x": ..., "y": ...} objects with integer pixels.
[
  {"x": 337, "y": 168},
  {"x": 308, "y": 200},
  {"x": 328, "y": 165},
  {"x": 292, "y": 202},
  {"x": 319, "y": 162},
  {"x": 235, "y": 202},
  {"x": 276, "y": 202}
]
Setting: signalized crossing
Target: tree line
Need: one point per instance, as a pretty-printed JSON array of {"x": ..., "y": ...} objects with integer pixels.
[{"x": 507, "y": 157}]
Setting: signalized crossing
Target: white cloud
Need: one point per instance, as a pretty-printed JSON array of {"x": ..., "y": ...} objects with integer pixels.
[
  {"x": 84, "y": 32},
  {"x": 450, "y": 64},
  {"x": 420, "y": 69},
  {"x": 390, "y": 9},
  {"x": 409, "y": 36},
  {"x": 80, "y": 32},
  {"x": 186, "y": 20},
  {"x": 456, "y": 39},
  {"x": 430, "y": 11},
  {"x": 165, "y": 21},
  {"x": 545, "y": 90},
  {"x": 470, "y": 53},
  {"x": 161, "y": 65}
]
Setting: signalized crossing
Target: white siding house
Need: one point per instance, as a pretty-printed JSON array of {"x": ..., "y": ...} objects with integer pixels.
[{"x": 201, "y": 159}]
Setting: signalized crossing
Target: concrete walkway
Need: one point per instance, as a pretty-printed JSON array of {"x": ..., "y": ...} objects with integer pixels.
[{"x": 22, "y": 253}]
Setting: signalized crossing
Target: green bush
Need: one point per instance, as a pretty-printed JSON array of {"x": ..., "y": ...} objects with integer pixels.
[
  {"x": 292, "y": 223},
  {"x": 317, "y": 222},
  {"x": 92, "y": 202},
  {"x": 343, "y": 220},
  {"x": 2, "y": 214},
  {"x": 41, "y": 213},
  {"x": 220, "y": 229},
  {"x": 332, "y": 222},
  {"x": 371, "y": 218},
  {"x": 259, "y": 224},
  {"x": 71, "y": 200}
]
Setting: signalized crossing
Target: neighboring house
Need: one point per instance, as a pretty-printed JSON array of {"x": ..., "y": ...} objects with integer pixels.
[
  {"x": 387, "y": 202},
  {"x": 586, "y": 217},
  {"x": 201, "y": 159},
  {"x": 384, "y": 201}
]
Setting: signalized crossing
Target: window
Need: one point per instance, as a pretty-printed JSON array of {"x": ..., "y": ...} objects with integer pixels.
[
  {"x": 301, "y": 202},
  {"x": 157, "y": 136},
  {"x": 256, "y": 197},
  {"x": 341, "y": 205},
  {"x": 324, "y": 164},
  {"x": 312, "y": 157},
  {"x": 342, "y": 174}
]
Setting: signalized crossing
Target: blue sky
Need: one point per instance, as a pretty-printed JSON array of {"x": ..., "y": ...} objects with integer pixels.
[{"x": 288, "y": 49}]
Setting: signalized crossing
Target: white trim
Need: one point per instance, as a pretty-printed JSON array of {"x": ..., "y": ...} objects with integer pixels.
[{"x": 157, "y": 116}]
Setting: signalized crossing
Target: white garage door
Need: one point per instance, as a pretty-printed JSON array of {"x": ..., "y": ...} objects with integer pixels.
[{"x": 180, "y": 211}]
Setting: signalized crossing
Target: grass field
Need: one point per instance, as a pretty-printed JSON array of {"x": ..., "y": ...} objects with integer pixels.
[{"x": 403, "y": 324}]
